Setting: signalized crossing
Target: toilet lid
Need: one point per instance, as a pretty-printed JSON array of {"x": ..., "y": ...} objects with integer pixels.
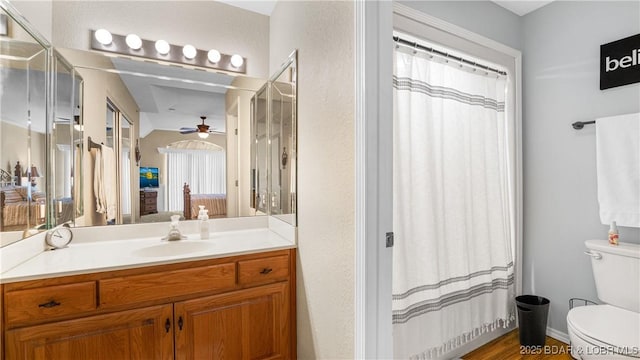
[{"x": 607, "y": 324}]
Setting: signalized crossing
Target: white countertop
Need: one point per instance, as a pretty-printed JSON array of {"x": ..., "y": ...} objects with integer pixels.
[{"x": 90, "y": 257}]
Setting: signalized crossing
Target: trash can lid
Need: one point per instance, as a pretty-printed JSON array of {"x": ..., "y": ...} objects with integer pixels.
[
  {"x": 607, "y": 324},
  {"x": 532, "y": 300}
]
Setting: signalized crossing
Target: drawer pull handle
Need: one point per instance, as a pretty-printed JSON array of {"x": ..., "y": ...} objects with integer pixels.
[
  {"x": 167, "y": 325},
  {"x": 265, "y": 271},
  {"x": 49, "y": 304},
  {"x": 180, "y": 323}
]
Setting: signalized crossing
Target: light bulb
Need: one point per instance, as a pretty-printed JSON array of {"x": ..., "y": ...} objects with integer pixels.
[
  {"x": 214, "y": 56},
  {"x": 237, "y": 60},
  {"x": 133, "y": 41},
  {"x": 103, "y": 36},
  {"x": 203, "y": 135},
  {"x": 162, "y": 47},
  {"x": 189, "y": 51}
]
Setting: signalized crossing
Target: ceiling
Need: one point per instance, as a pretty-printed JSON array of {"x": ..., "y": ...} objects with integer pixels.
[
  {"x": 171, "y": 97},
  {"x": 522, "y": 7},
  {"x": 265, "y": 7}
]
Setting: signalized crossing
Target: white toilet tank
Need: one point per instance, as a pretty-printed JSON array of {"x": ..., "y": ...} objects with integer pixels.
[{"x": 616, "y": 270}]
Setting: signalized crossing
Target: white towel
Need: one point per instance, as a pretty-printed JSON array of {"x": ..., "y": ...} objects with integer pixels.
[
  {"x": 109, "y": 181},
  {"x": 618, "y": 160}
]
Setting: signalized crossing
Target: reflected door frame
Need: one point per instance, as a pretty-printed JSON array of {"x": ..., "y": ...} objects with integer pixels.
[{"x": 118, "y": 119}]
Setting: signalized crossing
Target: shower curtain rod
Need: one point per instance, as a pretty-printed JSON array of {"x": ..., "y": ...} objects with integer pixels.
[{"x": 414, "y": 44}]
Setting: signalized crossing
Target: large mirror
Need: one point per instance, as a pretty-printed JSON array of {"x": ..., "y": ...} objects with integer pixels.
[
  {"x": 274, "y": 144},
  {"x": 126, "y": 143},
  {"x": 65, "y": 172},
  {"x": 161, "y": 163},
  {"x": 23, "y": 130},
  {"x": 282, "y": 142}
]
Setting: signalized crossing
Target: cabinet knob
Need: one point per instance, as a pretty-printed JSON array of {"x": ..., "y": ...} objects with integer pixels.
[
  {"x": 49, "y": 304},
  {"x": 266, "y": 271},
  {"x": 167, "y": 325},
  {"x": 180, "y": 322}
]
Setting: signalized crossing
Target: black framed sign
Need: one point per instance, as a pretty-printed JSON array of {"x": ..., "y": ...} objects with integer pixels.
[{"x": 620, "y": 62}]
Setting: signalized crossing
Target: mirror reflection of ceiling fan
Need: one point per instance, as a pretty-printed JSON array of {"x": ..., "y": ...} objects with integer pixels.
[{"x": 202, "y": 129}]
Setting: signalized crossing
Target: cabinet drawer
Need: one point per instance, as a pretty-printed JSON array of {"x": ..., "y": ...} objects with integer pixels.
[
  {"x": 151, "y": 207},
  {"x": 148, "y": 195},
  {"x": 164, "y": 285},
  {"x": 263, "y": 270},
  {"x": 151, "y": 201},
  {"x": 45, "y": 303}
]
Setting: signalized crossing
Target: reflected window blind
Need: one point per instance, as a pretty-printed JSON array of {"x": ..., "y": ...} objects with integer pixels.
[{"x": 204, "y": 171}]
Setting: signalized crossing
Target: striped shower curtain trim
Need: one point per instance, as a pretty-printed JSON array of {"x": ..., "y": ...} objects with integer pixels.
[
  {"x": 423, "y": 307},
  {"x": 451, "y": 281},
  {"x": 404, "y": 83}
]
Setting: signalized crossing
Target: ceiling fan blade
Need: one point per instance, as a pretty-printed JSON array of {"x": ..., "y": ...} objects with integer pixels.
[
  {"x": 187, "y": 128},
  {"x": 188, "y": 131},
  {"x": 216, "y": 132}
]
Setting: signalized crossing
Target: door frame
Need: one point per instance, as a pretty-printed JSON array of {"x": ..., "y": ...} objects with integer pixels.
[{"x": 374, "y": 166}]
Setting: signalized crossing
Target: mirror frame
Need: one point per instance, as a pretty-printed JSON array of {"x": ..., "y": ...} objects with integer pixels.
[
  {"x": 290, "y": 63},
  {"x": 28, "y": 28}
]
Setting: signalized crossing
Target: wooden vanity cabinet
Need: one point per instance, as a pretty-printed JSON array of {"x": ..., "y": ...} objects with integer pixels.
[
  {"x": 133, "y": 334},
  {"x": 245, "y": 324},
  {"x": 232, "y": 308}
]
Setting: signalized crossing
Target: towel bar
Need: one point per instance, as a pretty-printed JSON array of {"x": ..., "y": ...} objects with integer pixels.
[{"x": 580, "y": 124}]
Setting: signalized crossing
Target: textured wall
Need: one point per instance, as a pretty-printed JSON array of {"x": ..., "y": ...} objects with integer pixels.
[
  {"x": 204, "y": 24},
  {"x": 323, "y": 32},
  {"x": 561, "y": 85}
]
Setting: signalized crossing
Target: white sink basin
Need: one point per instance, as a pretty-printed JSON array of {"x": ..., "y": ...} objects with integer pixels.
[{"x": 173, "y": 248}]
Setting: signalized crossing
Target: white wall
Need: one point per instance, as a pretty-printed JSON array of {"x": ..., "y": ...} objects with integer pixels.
[
  {"x": 323, "y": 32},
  {"x": 561, "y": 85},
  {"x": 204, "y": 24}
]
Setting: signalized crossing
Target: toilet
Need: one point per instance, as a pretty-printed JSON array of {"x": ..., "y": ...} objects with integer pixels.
[{"x": 610, "y": 331}]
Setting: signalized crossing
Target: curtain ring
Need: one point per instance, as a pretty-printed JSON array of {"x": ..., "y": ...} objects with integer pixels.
[{"x": 415, "y": 48}]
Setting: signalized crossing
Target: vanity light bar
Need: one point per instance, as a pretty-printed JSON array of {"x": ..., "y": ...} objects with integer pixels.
[{"x": 175, "y": 54}]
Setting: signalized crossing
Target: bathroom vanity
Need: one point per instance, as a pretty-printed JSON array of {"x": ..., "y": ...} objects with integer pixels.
[
  {"x": 119, "y": 292},
  {"x": 230, "y": 297}
]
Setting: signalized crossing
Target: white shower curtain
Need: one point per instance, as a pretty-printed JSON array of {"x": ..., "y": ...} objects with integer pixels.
[{"x": 453, "y": 273}]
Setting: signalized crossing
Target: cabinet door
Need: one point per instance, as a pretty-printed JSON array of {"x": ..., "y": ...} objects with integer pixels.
[
  {"x": 134, "y": 334},
  {"x": 246, "y": 324}
]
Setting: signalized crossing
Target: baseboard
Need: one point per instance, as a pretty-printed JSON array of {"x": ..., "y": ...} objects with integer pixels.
[{"x": 558, "y": 335}]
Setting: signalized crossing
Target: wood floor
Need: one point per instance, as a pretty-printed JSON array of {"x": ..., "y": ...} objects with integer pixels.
[{"x": 508, "y": 347}]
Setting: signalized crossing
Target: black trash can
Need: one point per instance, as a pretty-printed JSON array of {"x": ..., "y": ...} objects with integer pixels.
[{"x": 532, "y": 319}]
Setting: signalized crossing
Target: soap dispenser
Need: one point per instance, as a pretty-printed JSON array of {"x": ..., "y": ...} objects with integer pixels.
[
  {"x": 203, "y": 220},
  {"x": 174, "y": 232}
]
